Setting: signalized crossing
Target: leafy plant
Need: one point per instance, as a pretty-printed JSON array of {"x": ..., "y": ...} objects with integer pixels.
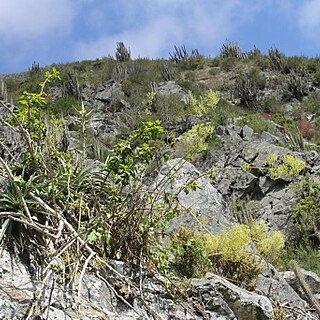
[
  {"x": 196, "y": 140},
  {"x": 189, "y": 252},
  {"x": 205, "y": 104}
]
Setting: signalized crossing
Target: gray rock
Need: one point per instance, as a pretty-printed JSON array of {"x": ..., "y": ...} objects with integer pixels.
[
  {"x": 277, "y": 208},
  {"x": 233, "y": 131},
  {"x": 171, "y": 87},
  {"x": 276, "y": 198},
  {"x": 16, "y": 287},
  {"x": 235, "y": 184},
  {"x": 245, "y": 305},
  {"x": 206, "y": 203},
  {"x": 311, "y": 278},
  {"x": 246, "y": 133},
  {"x": 108, "y": 91},
  {"x": 271, "y": 283},
  {"x": 266, "y": 184},
  {"x": 268, "y": 137}
]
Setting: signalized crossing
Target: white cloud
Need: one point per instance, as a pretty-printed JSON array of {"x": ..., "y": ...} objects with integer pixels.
[
  {"x": 164, "y": 23},
  {"x": 23, "y": 20},
  {"x": 309, "y": 19}
]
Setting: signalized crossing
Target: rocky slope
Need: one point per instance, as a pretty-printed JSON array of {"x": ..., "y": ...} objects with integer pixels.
[{"x": 232, "y": 173}]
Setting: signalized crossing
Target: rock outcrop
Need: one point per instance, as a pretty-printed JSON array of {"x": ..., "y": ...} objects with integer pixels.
[
  {"x": 123, "y": 292},
  {"x": 203, "y": 207},
  {"x": 241, "y": 147}
]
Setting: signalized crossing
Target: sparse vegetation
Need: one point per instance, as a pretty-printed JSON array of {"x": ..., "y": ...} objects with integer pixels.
[{"x": 97, "y": 199}]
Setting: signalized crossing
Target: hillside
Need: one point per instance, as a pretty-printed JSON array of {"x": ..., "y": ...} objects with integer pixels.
[{"x": 184, "y": 188}]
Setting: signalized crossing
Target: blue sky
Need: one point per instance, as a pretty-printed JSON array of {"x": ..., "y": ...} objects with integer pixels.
[{"x": 55, "y": 31}]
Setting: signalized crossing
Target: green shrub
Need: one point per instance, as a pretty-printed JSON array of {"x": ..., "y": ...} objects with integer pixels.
[
  {"x": 228, "y": 63},
  {"x": 231, "y": 50},
  {"x": 283, "y": 120},
  {"x": 255, "y": 75},
  {"x": 313, "y": 64},
  {"x": 247, "y": 88},
  {"x": 204, "y": 105},
  {"x": 189, "y": 254},
  {"x": 122, "y": 52},
  {"x": 260, "y": 61},
  {"x": 271, "y": 105},
  {"x": 316, "y": 78},
  {"x": 311, "y": 104},
  {"x": 221, "y": 114},
  {"x": 192, "y": 63},
  {"x": 306, "y": 212},
  {"x": 296, "y": 85},
  {"x": 245, "y": 211},
  {"x": 254, "y": 121},
  {"x": 305, "y": 254},
  {"x": 277, "y": 59},
  {"x": 196, "y": 141},
  {"x": 231, "y": 255},
  {"x": 195, "y": 87},
  {"x": 286, "y": 168},
  {"x": 169, "y": 108},
  {"x": 293, "y": 64},
  {"x": 228, "y": 253},
  {"x": 63, "y": 106}
]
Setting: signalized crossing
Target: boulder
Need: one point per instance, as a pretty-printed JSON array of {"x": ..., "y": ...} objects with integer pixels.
[
  {"x": 171, "y": 87},
  {"x": 203, "y": 207},
  {"x": 235, "y": 302},
  {"x": 276, "y": 208},
  {"x": 311, "y": 279},
  {"x": 272, "y": 284}
]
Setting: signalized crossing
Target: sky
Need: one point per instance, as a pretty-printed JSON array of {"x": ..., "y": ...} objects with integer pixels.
[{"x": 57, "y": 31}]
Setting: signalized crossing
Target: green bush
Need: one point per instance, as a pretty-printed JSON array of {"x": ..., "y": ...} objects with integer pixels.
[
  {"x": 63, "y": 106},
  {"x": 196, "y": 140},
  {"x": 254, "y": 121},
  {"x": 192, "y": 63},
  {"x": 311, "y": 104},
  {"x": 189, "y": 254},
  {"x": 316, "y": 78},
  {"x": 122, "y": 52},
  {"x": 313, "y": 64},
  {"x": 296, "y": 85},
  {"x": 277, "y": 59},
  {"x": 271, "y": 105},
  {"x": 255, "y": 75},
  {"x": 306, "y": 212},
  {"x": 293, "y": 64},
  {"x": 286, "y": 167},
  {"x": 305, "y": 254},
  {"x": 228, "y": 63},
  {"x": 231, "y": 50},
  {"x": 247, "y": 88},
  {"x": 228, "y": 253}
]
